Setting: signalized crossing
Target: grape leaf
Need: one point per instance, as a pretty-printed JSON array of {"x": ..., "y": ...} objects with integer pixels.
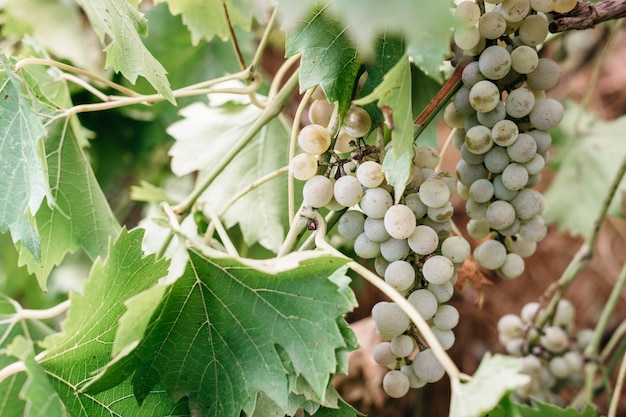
[
  {"x": 328, "y": 58},
  {"x": 205, "y": 135},
  {"x": 24, "y": 182},
  {"x": 589, "y": 154},
  {"x": 220, "y": 332},
  {"x": 394, "y": 95},
  {"x": 207, "y": 18},
  {"x": 508, "y": 408},
  {"x": 86, "y": 341},
  {"x": 120, "y": 25},
  {"x": 495, "y": 377}
]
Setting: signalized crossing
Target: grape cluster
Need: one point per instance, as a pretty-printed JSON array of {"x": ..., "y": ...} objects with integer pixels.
[
  {"x": 408, "y": 238},
  {"x": 552, "y": 356},
  {"x": 502, "y": 117}
]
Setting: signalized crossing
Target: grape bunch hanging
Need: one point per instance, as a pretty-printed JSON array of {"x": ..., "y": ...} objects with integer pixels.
[
  {"x": 552, "y": 354},
  {"x": 502, "y": 117},
  {"x": 410, "y": 241}
]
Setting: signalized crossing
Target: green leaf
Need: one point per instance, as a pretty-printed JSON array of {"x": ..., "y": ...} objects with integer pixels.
[
  {"x": 82, "y": 216},
  {"x": 229, "y": 329},
  {"x": 394, "y": 94},
  {"x": 495, "y": 377},
  {"x": 329, "y": 58},
  {"x": 205, "y": 135},
  {"x": 207, "y": 18},
  {"x": 344, "y": 410},
  {"x": 540, "y": 409},
  {"x": 424, "y": 89},
  {"x": 590, "y": 153},
  {"x": 24, "y": 181},
  {"x": 120, "y": 25}
]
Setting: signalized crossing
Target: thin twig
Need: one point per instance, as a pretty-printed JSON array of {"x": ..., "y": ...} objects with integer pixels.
[
  {"x": 263, "y": 42},
  {"x": 233, "y": 37},
  {"x": 618, "y": 389},
  {"x": 12, "y": 369},
  {"x": 221, "y": 230},
  {"x": 586, "y": 15}
]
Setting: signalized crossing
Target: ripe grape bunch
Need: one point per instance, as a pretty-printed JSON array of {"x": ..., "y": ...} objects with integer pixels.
[
  {"x": 408, "y": 237},
  {"x": 552, "y": 356},
  {"x": 502, "y": 116}
]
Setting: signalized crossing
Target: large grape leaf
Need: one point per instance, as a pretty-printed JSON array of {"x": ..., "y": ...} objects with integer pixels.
[
  {"x": 119, "y": 27},
  {"x": 508, "y": 408},
  {"x": 85, "y": 343},
  {"x": 495, "y": 377},
  {"x": 229, "y": 329},
  {"x": 207, "y": 19},
  {"x": 328, "y": 57},
  {"x": 206, "y": 134},
  {"x": 589, "y": 155},
  {"x": 394, "y": 95},
  {"x": 24, "y": 182},
  {"x": 424, "y": 24}
]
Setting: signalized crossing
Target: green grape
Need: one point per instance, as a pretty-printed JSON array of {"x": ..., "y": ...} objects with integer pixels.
[
  {"x": 534, "y": 29},
  {"x": 524, "y": 59},
  {"x": 402, "y": 345},
  {"x": 438, "y": 269},
  {"x": 496, "y": 159},
  {"x": 394, "y": 249},
  {"x": 523, "y": 149},
  {"x": 521, "y": 246},
  {"x": 546, "y": 114},
  {"x": 535, "y": 165},
  {"x": 442, "y": 292},
  {"x": 400, "y": 221},
  {"x": 471, "y": 74},
  {"x": 478, "y": 140},
  {"x": 492, "y": 25},
  {"x": 495, "y": 62},
  {"x": 500, "y": 214},
  {"x": 390, "y": 319},
  {"x": 303, "y": 166},
  {"x": 445, "y": 337},
  {"x": 533, "y": 229},
  {"x": 545, "y": 76},
  {"x": 490, "y": 254},
  {"x": 462, "y": 104},
  {"x": 414, "y": 381},
  {"x": 434, "y": 192},
  {"x": 467, "y": 38},
  {"x": 520, "y": 102},
  {"x": 481, "y": 190},
  {"x": 447, "y": 317},
  {"x": 453, "y": 118},
  {"x": 456, "y": 248},
  {"x": 484, "y": 96},
  {"x": 400, "y": 275},
  {"x": 574, "y": 361},
  {"x": 478, "y": 228},
  {"x": 414, "y": 202},
  {"x": 543, "y": 6},
  {"x": 424, "y": 240},
  {"x": 511, "y": 326},
  {"x": 426, "y": 157},
  {"x": 427, "y": 367},
  {"x": 375, "y": 230},
  {"x": 512, "y": 267},
  {"x": 501, "y": 192},
  {"x": 351, "y": 224},
  {"x": 515, "y": 177},
  {"x": 528, "y": 203},
  {"x": 467, "y": 173},
  {"x": 515, "y": 10},
  {"x": 425, "y": 302},
  {"x": 466, "y": 14},
  {"x": 314, "y": 139},
  {"x": 380, "y": 265},
  {"x": 366, "y": 248},
  {"x": 375, "y": 202},
  {"x": 357, "y": 122},
  {"x": 475, "y": 210},
  {"x": 471, "y": 157},
  {"x": 489, "y": 119},
  {"x": 504, "y": 133},
  {"x": 440, "y": 214},
  {"x": 383, "y": 355},
  {"x": 543, "y": 139}
]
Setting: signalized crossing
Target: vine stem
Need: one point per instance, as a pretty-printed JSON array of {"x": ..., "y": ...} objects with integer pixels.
[
  {"x": 320, "y": 241},
  {"x": 273, "y": 108},
  {"x": 586, "y": 15},
  {"x": 619, "y": 386},
  {"x": 27, "y": 314},
  {"x": 584, "y": 253},
  {"x": 12, "y": 369}
]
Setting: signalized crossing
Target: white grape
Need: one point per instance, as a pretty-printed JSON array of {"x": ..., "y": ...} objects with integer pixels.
[
  {"x": 500, "y": 214},
  {"x": 425, "y": 302},
  {"x": 512, "y": 267},
  {"x": 375, "y": 202},
  {"x": 523, "y": 149},
  {"x": 303, "y": 166},
  {"x": 440, "y": 214},
  {"x": 375, "y": 230},
  {"x": 533, "y": 229},
  {"x": 366, "y": 248},
  {"x": 531, "y": 313},
  {"x": 495, "y": 62},
  {"x": 383, "y": 355},
  {"x": 490, "y": 254},
  {"x": 524, "y": 59},
  {"x": 400, "y": 275},
  {"x": 501, "y": 192},
  {"x": 478, "y": 228},
  {"x": 489, "y": 119},
  {"x": 528, "y": 203},
  {"x": 511, "y": 326},
  {"x": 558, "y": 367},
  {"x": 546, "y": 114},
  {"x": 447, "y": 317},
  {"x": 564, "y": 314},
  {"x": 402, "y": 345},
  {"x": 496, "y": 160},
  {"x": 515, "y": 10},
  {"x": 478, "y": 139},
  {"x": 492, "y": 25},
  {"x": 314, "y": 139},
  {"x": 564, "y": 6},
  {"x": 396, "y": 384},
  {"x": 534, "y": 29},
  {"x": 434, "y": 192},
  {"x": 574, "y": 361},
  {"x": 481, "y": 190},
  {"x": 426, "y": 157},
  {"x": 427, "y": 367},
  {"x": 471, "y": 74},
  {"x": 467, "y": 13},
  {"x": 554, "y": 339},
  {"x": 414, "y": 202},
  {"x": 414, "y": 381},
  {"x": 348, "y": 191},
  {"x": 520, "y": 102},
  {"x": 317, "y": 191},
  {"x": 351, "y": 224},
  {"x": 370, "y": 174},
  {"x": 514, "y": 177},
  {"x": 380, "y": 265},
  {"x": 545, "y": 76},
  {"x": 456, "y": 248},
  {"x": 320, "y": 112},
  {"x": 445, "y": 337},
  {"x": 394, "y": 249},
  {"x": 442, "y": 292},
  {"x": 357, "y": 122},
  {"x": 345, "y": 142},
  {"x": 484, "y": 96},
  {"x": 423, "y": 240},
  {"x": 400, "y": 221},
  {"x": 504, "y": 133},
  {"x": 438, "y": 269},
  {"x": 467, "y": 38},
  {"x": 467, "y": 173},
  {"x": 390, "y": 319}
]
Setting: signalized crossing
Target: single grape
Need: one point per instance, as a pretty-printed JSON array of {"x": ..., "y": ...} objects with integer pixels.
[
  {"x": 501, "y": 192},
  {"x": 531, "y": 313},
  {"x": 351, "y": 224},
  {"x": 511, "y": 326},
  {"x": 395, "y": 384},
  {"x": 554, "y": 339},
  {"x": 545, "y": 76},
  {"x": 443, "y": 292},
  {"x": 475, "y": 210},
  {"x": 471, "y": 74},
  {"x": 489, "y": 119},
  {"x": 533, "y": 229},
  {"x": 452, "y": 117},
  {"x": 535, "y": 165},
  {"x": 383, "y": 355},
  {"x": 426, "y": 157},
  {"x": 440, "y": 214},
  {"x": 414, "y": 381},
  {"x": 564, "y": 314},
  {"x": 574, "y": 361},
  {"x": 520, "y": 102},
  {"x": 394, "y": 249},
  {"x": 534, "y": 29},
  {"x": 456, "y": 248},
  {"x": 366, "y": 248},
  {"x": 380, "y": 265},
  {"x": 515, "y": 177},
  {"x": 438, "y": 269},
  {"x": 484, "y": 96},
  {"x": 543, "y": 6},
  {"x": 434, "y": 192},
  {"x": 500, "y": 214},
  {"x": 496, "y": 160},
  {"x": 515, "y": 346},
  {"x": 546, "y": 114},
  {"x": 467, "y": 173},
  {"x": 490, "y": 254},
  {"x": 400, "y": 275},
  {"x": 427, "y": 367},
  {"x": 515, "y": 10},
  {"x": 402, "y": 345},
  {"x": 425, "y": 302},
  {"x": 320, "y": 112},
  {"x": 348, "y": 191},
  {"x": 564, "y": 6},
  {"x": 584, "y": 337},
  {"x": 447, "y": 317},
  {"x": 495, "y": 62},
  {"x": 303, "y": 166},
  {"x": 513, "y": 266},
  {"x": 345, "y": 142},
  {"x": 314, "y": 139},
  {"x": 467, "y": 38},
  {"x": 375, "y": 202},
  {"x": 524, "y": 59},
  {"x": 390, "y": 319},
  {"x": 522, "y": 247},
  {"x": 531, "y": 365},
  {"x": 478, "y": 139},
  {"x": 504, "y": 133},
  {"x": 445, "y": 337},
  {"x": 528, "y": 203},
  {"x": 492, "y": 25},
  {"x": 400, "y": 221},
  {"x": 423, "y": 240},
  {"x": 466, "y": 14},
  {"x": 370, "y": 174},
  {"x": 317, "y": 191},
  {"x": 462, "y": 106},
  {"x": 558, "y": 367},
  {"x": 481, "y": 190},
  {"x": 478, "y": 228},
  {"x": 375, "y": 230},
  {"x": 357, "y": 122},
  {"x": 414, "y": 202}
]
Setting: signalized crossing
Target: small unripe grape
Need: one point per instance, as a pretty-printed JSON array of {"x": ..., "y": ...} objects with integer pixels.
[
  {"x": 554, "y": 339},
  {"x": 314, "y": 139},
  {"x": 357, "y": 122},
  {"x": 303, "y": 166}
]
